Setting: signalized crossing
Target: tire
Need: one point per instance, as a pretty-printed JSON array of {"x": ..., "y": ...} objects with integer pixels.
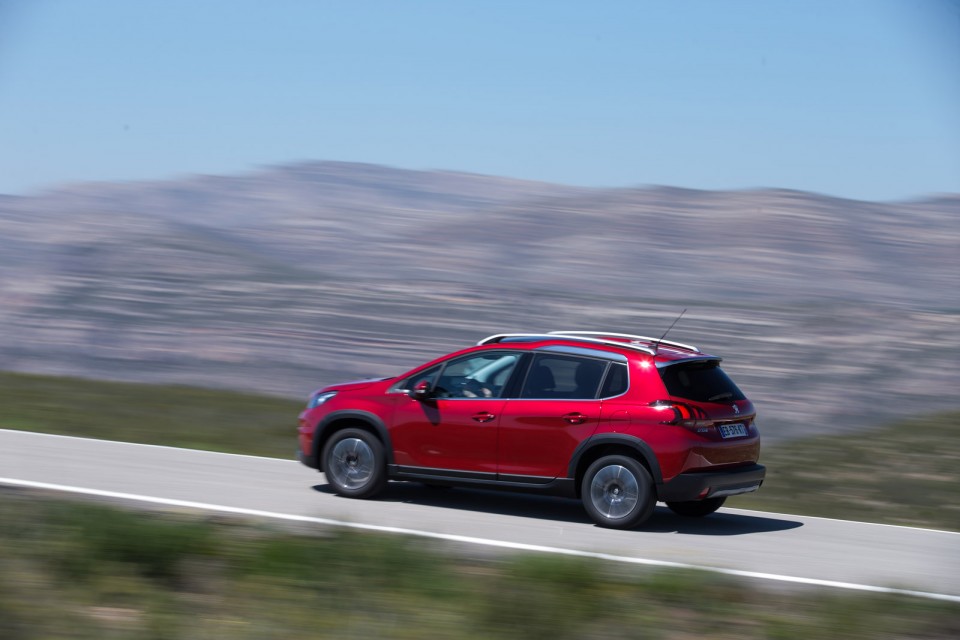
[
  {"x": 617, "y": 492},
  {"x": 354, "y": 464},
  {"x": 697, "y": 508}
]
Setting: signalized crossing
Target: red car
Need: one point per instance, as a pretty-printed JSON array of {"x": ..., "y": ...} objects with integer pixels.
[{"x": 619, "y": 421}]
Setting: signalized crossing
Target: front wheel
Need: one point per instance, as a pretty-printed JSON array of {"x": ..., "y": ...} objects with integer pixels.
[
  {"x": 697, "y": 508},
  {"x": 617, "y": 492},
  {"x": 354, "y": 463}
]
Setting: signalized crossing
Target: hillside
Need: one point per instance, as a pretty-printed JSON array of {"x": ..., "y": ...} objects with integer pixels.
[{"x": 832, "y": 314}]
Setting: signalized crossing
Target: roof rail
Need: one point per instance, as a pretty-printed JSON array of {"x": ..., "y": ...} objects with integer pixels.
[
  {"x": 654, "y": 341},
  {"x": 560, "y": 335}
]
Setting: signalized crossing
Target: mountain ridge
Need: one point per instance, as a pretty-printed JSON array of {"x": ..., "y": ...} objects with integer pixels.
[{"x": 284, "y": 279}]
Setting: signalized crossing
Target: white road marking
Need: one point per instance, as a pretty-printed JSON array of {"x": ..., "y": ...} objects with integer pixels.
[
  {"x": 472, "y": 540},
  {"x": 294, "y": 462}
]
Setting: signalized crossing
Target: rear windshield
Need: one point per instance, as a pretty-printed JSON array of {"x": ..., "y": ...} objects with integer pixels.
[{"x": 700, "y": 382}]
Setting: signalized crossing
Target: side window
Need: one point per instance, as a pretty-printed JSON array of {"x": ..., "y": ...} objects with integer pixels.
[
  {"x": 429, "y": 375},
  {"x": 481, "y": 375},
  {"x": 615, "y": 383},
  {"x": 557, "y": 376}
]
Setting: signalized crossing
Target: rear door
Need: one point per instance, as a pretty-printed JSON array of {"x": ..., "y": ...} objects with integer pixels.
[{"x": 557, "y": 407}]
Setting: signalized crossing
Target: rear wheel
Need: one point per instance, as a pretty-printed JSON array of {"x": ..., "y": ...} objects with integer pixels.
[
  {"x": 354, "y": 463},
  {"x": 617, "y": 492},
  {"x": 697, "y": 508}
]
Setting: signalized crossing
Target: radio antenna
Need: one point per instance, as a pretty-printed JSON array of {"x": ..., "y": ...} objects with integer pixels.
[{"x": 656, "y": 345}]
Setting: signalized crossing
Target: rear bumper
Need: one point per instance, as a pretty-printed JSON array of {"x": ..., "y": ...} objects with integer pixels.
[{"x": 687, "y": 487}]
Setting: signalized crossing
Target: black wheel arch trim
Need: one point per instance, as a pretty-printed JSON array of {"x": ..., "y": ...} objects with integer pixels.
[
  {"x": 644, "y": 450},
  {"x": 325, "y": 426}
]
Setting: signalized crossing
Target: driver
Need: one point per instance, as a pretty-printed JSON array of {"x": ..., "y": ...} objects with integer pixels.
[{"x": 475, "y": 389}]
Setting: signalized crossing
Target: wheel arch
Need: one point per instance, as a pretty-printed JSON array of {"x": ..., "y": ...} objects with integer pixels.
[
  {"x": 613, "y": 444},
  {"x": 338, "y": 420}
]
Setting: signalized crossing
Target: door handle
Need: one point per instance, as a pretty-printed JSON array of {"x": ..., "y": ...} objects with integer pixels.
[
  {"x": 483, "y": 416},
  {"x": 575, "y": 418}
]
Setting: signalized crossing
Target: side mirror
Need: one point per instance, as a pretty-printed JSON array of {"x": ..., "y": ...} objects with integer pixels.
[{"x": 421, "y": 391}]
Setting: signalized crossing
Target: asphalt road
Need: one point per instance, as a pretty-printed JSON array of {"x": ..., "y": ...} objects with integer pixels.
[{"x": 777, "y": 548}]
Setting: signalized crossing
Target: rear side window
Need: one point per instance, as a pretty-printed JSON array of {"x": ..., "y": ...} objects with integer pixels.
[
  {"x": 615, "y": 383},
  {"x": 563, "y": 377},
  {"x": 700, "y": 382}
]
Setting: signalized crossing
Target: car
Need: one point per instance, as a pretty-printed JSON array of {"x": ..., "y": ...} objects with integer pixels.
[{"x": 619, "y": 421}]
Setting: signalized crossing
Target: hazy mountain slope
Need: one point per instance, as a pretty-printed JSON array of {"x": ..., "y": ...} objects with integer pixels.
[{"x": 832, "y": 313}]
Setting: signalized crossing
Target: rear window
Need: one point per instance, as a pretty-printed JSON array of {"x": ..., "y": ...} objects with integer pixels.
[{"x": 700, "y": 382}]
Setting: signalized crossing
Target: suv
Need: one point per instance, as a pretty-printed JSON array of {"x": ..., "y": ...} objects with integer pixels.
[{"x": 619, "y": 421}]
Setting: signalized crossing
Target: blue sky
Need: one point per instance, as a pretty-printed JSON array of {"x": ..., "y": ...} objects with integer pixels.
[{"x": 849, "y": 98}]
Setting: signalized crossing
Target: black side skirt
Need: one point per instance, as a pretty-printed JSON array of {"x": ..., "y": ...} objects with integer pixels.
[{"x": 564, "y": 487}]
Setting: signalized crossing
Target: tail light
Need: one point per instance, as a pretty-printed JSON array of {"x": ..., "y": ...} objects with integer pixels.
[{"x": 681, "y": 414}]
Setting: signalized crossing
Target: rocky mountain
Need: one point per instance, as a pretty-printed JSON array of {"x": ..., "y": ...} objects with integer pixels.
[{"x": 832, "y": 314}]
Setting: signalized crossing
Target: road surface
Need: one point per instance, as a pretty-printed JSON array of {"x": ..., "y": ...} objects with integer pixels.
[{"x": 778, "y": 548}]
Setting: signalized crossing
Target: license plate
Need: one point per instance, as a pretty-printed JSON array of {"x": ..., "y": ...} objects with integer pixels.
[{"x": 736, "y": 430}]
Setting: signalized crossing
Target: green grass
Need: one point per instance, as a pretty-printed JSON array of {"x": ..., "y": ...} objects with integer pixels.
[
  {"x": 899, "y": 474},
  {"x": 905, "y": 473},
  {"x": 150, "y": 414},
  {"x": 80, "y": 570}
]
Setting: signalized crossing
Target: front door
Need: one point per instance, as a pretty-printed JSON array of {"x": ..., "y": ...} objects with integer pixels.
[
  {"x": 456, "y": 428},
  {"x": 458, "y": 434}
]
